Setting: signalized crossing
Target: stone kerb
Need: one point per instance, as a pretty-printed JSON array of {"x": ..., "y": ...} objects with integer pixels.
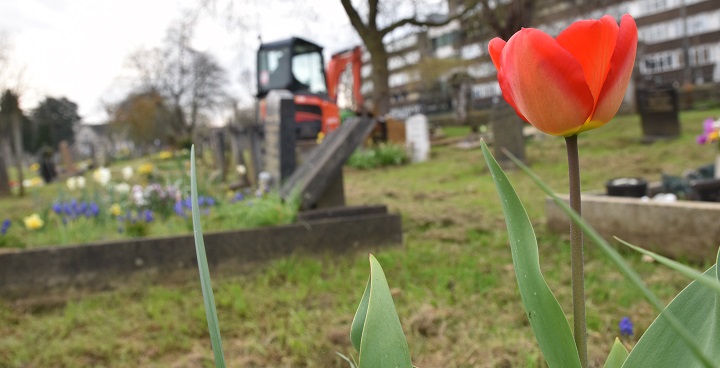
[
  {"x": 680, "y": 230},
  {"x": 106, "y": 265}
]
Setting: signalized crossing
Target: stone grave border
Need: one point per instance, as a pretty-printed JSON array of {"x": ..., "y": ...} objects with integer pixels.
[
  {"x": 685, "y": 230},
  {"x": 108, "y": 265}
]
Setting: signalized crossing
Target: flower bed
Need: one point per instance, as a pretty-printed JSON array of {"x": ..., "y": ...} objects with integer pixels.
[{"x": 135, "y": 200}]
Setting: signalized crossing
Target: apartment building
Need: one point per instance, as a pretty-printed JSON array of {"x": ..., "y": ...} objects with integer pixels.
[{"x": 679, "y": 45}]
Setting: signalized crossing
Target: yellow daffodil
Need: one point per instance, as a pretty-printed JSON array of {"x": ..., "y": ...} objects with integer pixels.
[
  {"x": 145, "y": 169},
  {"x": 33, "y": 222},
  {"x": 115, "y": 209},
  {"x": 164, "y": 155}
]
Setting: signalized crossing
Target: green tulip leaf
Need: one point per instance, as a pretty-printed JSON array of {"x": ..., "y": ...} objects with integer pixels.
[
  {"x": 698, "y": 309},
  {"x": 680, "y": 330},
  {"x": 206, "y": 285},
  {"x": 547, "y": 319},
  {"x": 376, "y": 331},
  {"x": 359, "y": 321},
  {"x": 617, "y": 355},
  {"x": 706, "y": 280}
]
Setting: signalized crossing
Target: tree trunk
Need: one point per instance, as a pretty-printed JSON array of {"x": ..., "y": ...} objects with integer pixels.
[
  {"x": 381, "y": 85},
  {"x": 17, "y": 145},
  {"x": 380, "y": 75}
]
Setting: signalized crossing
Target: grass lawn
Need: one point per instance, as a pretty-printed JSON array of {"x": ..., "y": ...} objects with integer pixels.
[{"x": 453, "y": 280}]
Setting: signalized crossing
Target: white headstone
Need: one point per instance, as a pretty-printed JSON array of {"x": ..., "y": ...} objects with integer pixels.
[{"x": 417, "y": 138}]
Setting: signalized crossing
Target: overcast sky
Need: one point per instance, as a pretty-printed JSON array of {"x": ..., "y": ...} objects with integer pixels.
[{"x": 78, "y": 48}]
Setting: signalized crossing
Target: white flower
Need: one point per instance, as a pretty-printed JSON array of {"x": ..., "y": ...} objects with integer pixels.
[
  {"x": 241, "y": 169},
  {"x": 127, "y": 172},
  {"x": 138, "y": 195},
  {"x": 71, "y": 183},
  {"x": 102, "y": 176},
  {"x": 122, "y": 188},
  {"x": 80, "y": 182}
]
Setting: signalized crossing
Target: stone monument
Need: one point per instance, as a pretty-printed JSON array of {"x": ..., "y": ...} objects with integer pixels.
[
  {"x": 507, "y": 128},
  {"x": 658, "y": 108}
]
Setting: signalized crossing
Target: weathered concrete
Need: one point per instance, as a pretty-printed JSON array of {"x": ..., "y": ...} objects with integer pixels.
[
  {"x": 324, "y": 164},
  {"x": 680, "y": 230},
  {"x": 107, "y": 265}
]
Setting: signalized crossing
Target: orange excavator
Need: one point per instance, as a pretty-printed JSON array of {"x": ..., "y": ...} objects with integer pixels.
[{"x": 297, "y": 65}]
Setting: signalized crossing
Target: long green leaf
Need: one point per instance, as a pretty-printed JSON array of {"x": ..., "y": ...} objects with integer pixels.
[
  {"x": 682, "y": 333},
  {"x": 547, "y": 319},
  {"x": 698, "y": 309},
  {"x": 382, "y": 342},
  {"x": 617, "y": 355},
  {"x": 208, "y": 298},
  {"x": 704, "y": 279},
  {"x": 359, "y": 320}
]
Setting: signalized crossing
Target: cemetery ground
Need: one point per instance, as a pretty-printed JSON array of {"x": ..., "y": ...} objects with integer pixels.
[{"x": 452, "y": 281}]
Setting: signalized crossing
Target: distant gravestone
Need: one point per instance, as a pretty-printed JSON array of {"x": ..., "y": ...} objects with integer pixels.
[
  {"x": 417, "y": 137},
  {"x": 280, "y": 136},
  {"x": 507, "y": 128},
  {"x": 66, "y": 157},
  {"x": 658, "y": 108},
  {"x": 219, "y": 153}
]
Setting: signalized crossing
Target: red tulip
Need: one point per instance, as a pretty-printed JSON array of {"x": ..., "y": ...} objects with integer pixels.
[{"x": 572, "y": 83}]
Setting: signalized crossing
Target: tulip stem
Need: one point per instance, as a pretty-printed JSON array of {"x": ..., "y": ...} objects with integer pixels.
[{"x": 576, "y": 252}]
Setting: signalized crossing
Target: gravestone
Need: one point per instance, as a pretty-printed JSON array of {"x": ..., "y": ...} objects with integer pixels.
[
  {"x": 219, "y": 153},
  {"x": 319, "y": 181},
  {"x": 417, "y": 138},
  {"x": 66, "y": 158},
  {"x": 280, "y": 136},
  {"x": 507, "y": 128},
  {"x": 658, "y": 108}
]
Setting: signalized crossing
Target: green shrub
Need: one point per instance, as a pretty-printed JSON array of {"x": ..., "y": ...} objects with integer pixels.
[{"x": 378, "y": 156}]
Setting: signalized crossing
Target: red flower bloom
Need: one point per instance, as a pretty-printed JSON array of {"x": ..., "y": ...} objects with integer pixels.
[{"x": 569, "y": 84}]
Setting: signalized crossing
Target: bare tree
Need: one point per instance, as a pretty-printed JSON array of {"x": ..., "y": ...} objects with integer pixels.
[
  {"x": 379, "y": 20},
  {"x": 191, "y": 82},
  {"x": 10, "y": 133},
  {"x": 10, "y": 116},
  {"x": 508, "y": 18}
]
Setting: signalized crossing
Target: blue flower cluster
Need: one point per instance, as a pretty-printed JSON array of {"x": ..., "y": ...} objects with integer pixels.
[
  {"x": 74, "y": 209},
  {"x": 5, "y": 225},
  {"x": 626, "y": 327},
  {"x": 131, "y": 218},
  {"x": 183, "y": 207}
]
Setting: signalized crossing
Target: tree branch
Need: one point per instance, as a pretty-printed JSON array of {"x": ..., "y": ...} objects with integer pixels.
[
  {"x": 418, "y": 23},
  {"x": 355, "y": 19}
]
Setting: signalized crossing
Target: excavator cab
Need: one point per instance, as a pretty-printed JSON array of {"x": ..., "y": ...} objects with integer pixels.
[
  {"x": 293, "y": 64},
  {"x": 297, "y": 65}
]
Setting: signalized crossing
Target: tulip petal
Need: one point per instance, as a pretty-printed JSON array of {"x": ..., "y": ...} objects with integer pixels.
[
  {"x": 621, "y": 66},
  {"x": 592, "y": 43},
  {"x": 545, "y": 82},
  {"x": 495, "y": 47}
]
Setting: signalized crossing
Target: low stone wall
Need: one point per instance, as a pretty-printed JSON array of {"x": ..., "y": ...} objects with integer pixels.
[
  {"x": 681, "y": 230},
  {"x": 107, "y": 265}
]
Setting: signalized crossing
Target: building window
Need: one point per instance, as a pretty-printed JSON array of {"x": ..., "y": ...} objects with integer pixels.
[
  {"x": 398, "y": 79},
  {"x": 661, "y": 62},
  {"x": 412, "y": 57},
  {"x": 471, "y": 51},
  {"x": 365, "y": 70},
  {"x": 485, "y": 90},
  {"x": 701, "y": 55}
]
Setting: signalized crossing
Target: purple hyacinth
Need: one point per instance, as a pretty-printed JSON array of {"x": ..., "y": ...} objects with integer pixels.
[
  {"x": 148, "y": 216},
  {"x": 93, "y": 210},
  {"x": 626, "y": 327},
  {"x": 5, "y": 225}
]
